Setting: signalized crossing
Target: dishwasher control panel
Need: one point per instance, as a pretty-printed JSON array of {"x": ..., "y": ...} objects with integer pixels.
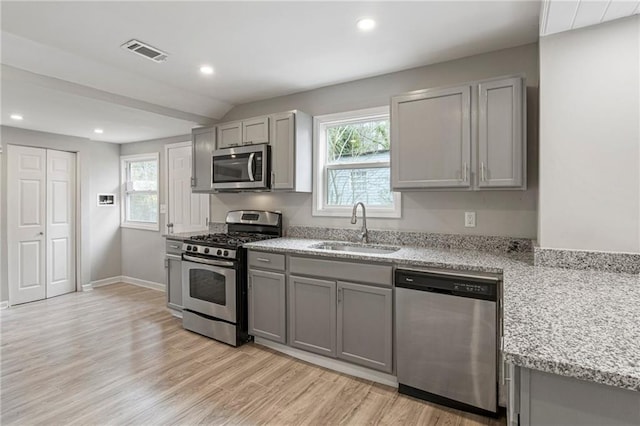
[{"x": 474, "y": 287}]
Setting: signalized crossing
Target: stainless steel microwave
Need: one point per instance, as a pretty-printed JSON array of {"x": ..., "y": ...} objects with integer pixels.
[{"x": 241, "y": 168}]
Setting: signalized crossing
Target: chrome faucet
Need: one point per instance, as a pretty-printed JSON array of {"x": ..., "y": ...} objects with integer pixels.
[{"x": 364, "y": 237}]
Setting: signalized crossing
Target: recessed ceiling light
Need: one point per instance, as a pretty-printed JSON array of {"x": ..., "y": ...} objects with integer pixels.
[
  {"x": 206, "y": 69},
  {"x": 16, "y": 117},
  {"x": 98, "y": 131},
  {"x": 366, "y": 24}
]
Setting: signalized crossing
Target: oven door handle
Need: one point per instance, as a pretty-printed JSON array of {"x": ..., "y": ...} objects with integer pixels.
[
  {"x": 250, "y": 166},
  {"x": 207, "y": 261}
]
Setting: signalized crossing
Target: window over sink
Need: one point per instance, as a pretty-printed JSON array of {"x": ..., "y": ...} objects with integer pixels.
[
  {"x": 139, "y": 182},
  {"x": 353, "y": 164}
]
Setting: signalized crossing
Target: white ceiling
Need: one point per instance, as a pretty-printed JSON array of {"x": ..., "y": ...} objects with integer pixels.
[
  {"x": 258, "y": 49},
  {"x": 564, "y": 15}
]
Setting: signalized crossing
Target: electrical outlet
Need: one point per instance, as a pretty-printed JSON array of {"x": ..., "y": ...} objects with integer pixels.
[{"x": 470, "y": 219}]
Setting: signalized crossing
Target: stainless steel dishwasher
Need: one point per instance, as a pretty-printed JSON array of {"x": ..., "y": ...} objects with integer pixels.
[{"x": 446, "y": 338}]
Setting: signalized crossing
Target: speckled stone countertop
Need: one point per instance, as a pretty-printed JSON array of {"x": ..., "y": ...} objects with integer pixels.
[
  {"x": 575, "y": 323},
  {"x": 181, "y": 236},
  {"x": 214, "y": 227}
]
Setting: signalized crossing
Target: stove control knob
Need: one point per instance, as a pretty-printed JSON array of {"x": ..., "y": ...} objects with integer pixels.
[
  {"x": 226, "y": 253},
  {"x": 195, "y": 248},
  {"x": 219, "y": 252},
  {"x": 206, "y": 250},
  {"x": 188, "y": 248}
]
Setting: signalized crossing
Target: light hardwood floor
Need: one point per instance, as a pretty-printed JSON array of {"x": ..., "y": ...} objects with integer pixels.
[{"x": 116, "y": 356}]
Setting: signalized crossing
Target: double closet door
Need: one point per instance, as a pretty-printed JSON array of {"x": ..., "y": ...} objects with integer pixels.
[{"x": 41, "y": 218}]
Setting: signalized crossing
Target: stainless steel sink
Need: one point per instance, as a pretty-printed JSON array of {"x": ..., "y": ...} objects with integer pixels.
[{"x": 356, "y": 248}]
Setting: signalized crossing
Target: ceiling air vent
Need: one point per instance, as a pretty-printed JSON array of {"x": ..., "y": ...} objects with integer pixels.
[{"x": 145, "y": 50}]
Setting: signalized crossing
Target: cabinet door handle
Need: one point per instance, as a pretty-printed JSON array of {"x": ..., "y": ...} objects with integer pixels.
[
  {"x": 263, "y": 259},
  {"x": 175, "y": 247},
  {"x": 339, "y": 295},
  {"x": 482, "y": 174},
  {"x": 466, "y": 172}
]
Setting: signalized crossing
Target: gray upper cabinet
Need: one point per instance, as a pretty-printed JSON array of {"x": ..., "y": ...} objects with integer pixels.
[
  {"x": 267, "y": 305},
  {"x": 229, "y": 134},
  {"x": 291, "y": 151},
  {"x": 255, "y": 130},
  {"x": 312, "y": 315},
  {"x": 431, "y": 139},
  {"x": 365, "y": 324},
  {"x": 460, "y": 138},
  {"x": 501, "y": 148},
  {"x": 204, "y": 143}
]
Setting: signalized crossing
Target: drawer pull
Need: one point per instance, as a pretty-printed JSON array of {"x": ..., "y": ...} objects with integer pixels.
[
  {"x": 175, "y": 247},
  {"x": 262, "y": 259}
]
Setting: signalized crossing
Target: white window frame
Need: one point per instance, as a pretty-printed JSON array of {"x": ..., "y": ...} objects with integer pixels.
[
  {"x": 124, "y": 160},
  {"x": 320, "y": 123}
]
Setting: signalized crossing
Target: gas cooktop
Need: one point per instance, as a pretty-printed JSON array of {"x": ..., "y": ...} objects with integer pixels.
[{"x": 232, "y": 239}]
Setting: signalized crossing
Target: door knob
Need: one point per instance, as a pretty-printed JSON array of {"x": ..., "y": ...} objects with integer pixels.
[{"x": 40, "y": 233}]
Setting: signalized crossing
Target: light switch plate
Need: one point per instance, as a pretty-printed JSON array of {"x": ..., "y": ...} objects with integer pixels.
[
  {"x": 163, "y": 209},
  {"x": 470, "y": 219}
]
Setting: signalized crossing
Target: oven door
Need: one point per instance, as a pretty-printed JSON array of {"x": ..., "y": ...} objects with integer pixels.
[
  {"x": 245, "y": 167},
  {"x": 209, "y": 289}
]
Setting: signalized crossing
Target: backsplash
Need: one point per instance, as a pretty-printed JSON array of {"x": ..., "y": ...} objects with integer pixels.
[
  {"x": 577, "y": 259},
  {"x": 419, "y": 239}
]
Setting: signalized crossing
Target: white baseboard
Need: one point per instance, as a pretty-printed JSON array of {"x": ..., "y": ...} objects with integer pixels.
[
  {"x": 143, "y": 283},
  {"x": 127, "y": 280},
  {"x": 332, "y": 364},
  {"x": 177, "y": 314},
  {"x": 4, "y": 304},
  {"x": 106, "y": 281}
]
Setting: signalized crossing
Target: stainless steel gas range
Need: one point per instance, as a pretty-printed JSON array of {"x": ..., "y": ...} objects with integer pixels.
[{"x": 214, "y": 275}]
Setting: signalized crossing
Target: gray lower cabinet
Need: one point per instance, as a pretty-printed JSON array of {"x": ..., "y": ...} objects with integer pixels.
[
  {"x": 550, "y": 399},
  {"x": 312, "y": 315},
  {"x": 173, "y": 265},
  {"x": 267, "y": 305},
  {"x": 365, "y": 325}
]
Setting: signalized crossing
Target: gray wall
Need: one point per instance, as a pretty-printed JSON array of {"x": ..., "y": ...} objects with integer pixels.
[
  {"x": 105, "y": 221},
  {"x": 95, "y": 165},
  {"x": 510, "y": 213},
  {"x": 590, "y": 138},
  {"x": 142, "y": 251}
]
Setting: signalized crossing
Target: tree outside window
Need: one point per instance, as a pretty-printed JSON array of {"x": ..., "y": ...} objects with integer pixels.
[{"x": 354, "y": 163}]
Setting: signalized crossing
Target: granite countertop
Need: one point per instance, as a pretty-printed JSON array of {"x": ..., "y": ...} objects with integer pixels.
[
  {"x": 181, "y": 236},
  {"x": 574, "y": 323}
]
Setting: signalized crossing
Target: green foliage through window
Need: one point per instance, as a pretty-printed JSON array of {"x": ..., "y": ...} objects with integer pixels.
[{"x": 362, "y": 145}]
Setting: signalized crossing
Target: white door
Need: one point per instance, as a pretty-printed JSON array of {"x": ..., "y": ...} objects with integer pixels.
[
  {"x": 187, "y": 212},
  {"x": 60, "y": 235},
  {"x": 26, "y": 215}
]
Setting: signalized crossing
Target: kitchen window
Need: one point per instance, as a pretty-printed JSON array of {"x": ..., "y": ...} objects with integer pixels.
[
  {"x": 353, "y": 164},
  {"x": 139, "y": 181}
]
